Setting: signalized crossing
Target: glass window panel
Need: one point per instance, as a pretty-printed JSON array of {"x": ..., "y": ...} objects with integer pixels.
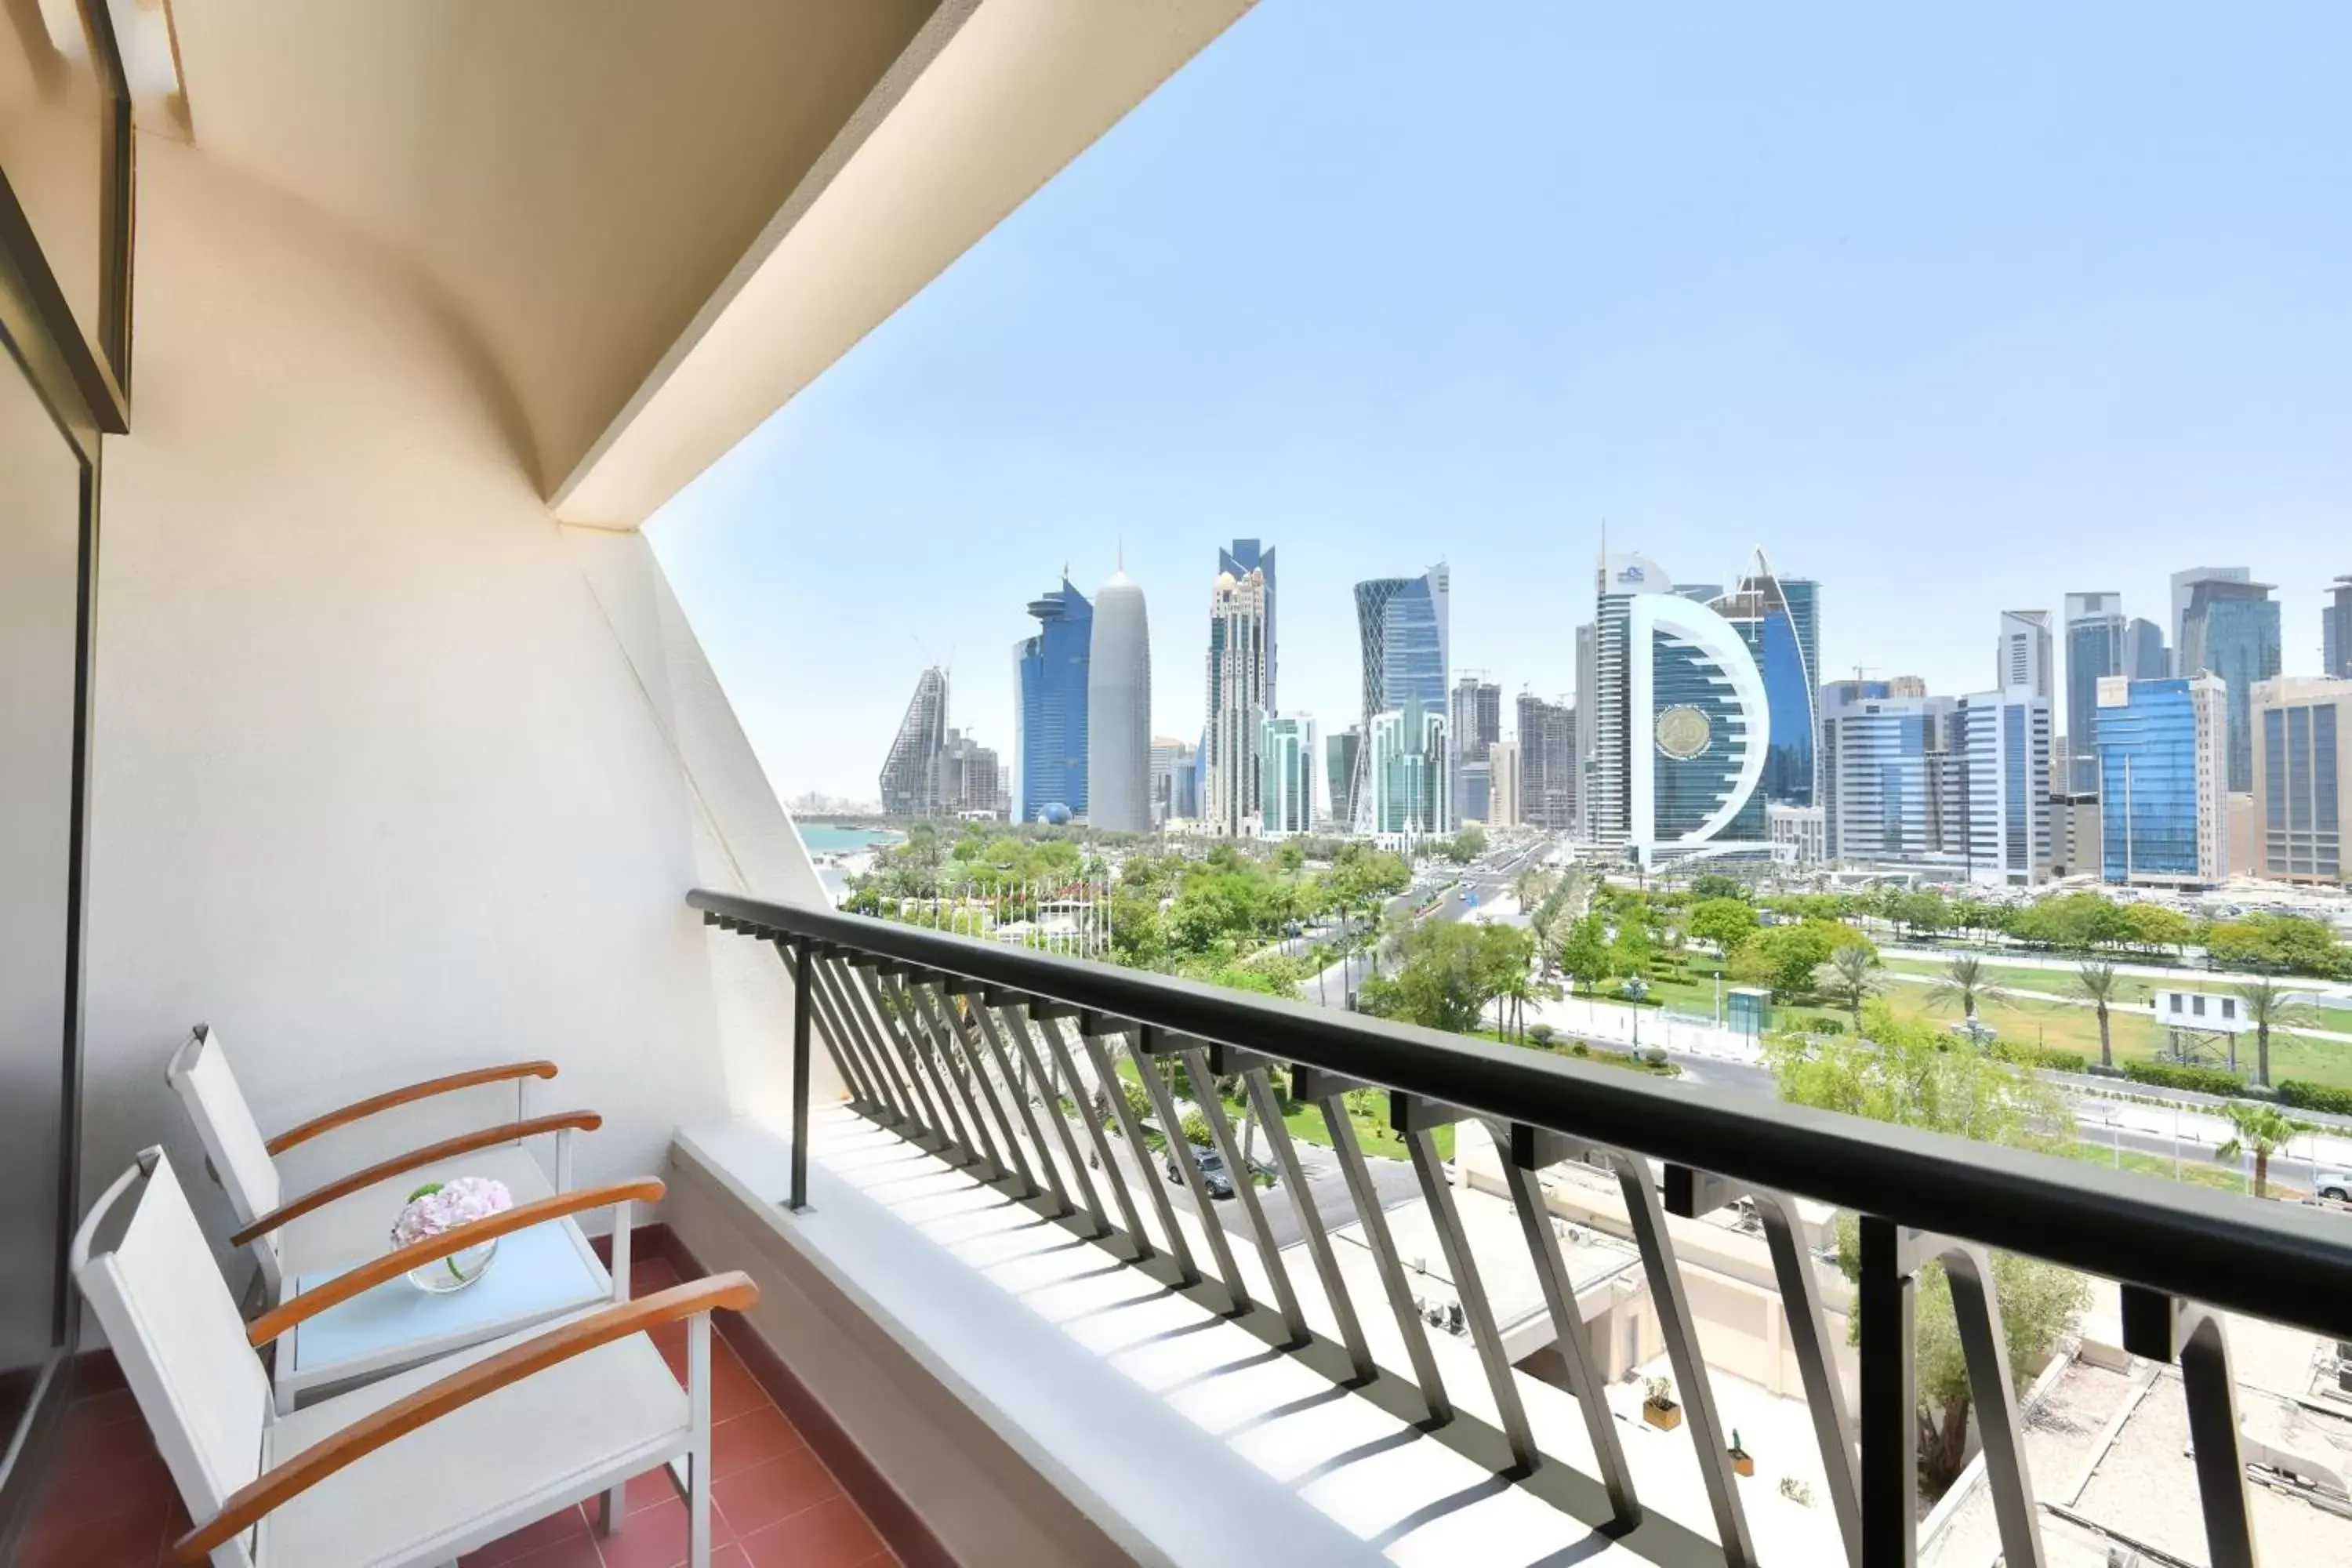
[
  {"x": 40, "y": 532},
  {"x": 54, "y": 112}
]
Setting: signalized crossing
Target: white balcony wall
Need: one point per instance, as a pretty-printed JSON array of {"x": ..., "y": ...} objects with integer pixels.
[{"x": 391, "y": 773}]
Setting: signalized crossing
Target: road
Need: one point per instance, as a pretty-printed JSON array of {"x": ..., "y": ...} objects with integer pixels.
[{"x": 1393, "y": 1179}]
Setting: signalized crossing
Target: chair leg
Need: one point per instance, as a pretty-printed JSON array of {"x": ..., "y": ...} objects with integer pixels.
[{"x": 698, "y": 1496}]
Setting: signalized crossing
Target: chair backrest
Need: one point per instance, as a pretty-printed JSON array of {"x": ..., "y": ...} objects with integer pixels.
[
  {"x": 199, "y": 1073},
  {"x": 175, "y": 1330}
]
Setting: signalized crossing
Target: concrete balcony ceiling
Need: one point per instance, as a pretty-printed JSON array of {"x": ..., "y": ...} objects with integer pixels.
[{"x": 660, "y": 222}]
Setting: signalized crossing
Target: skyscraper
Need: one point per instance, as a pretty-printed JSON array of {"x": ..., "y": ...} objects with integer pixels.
[
  {"x": 1118, "y": 710},
  {"x": 1287, "y": 757},
  {"x": 2022, "y": 656},
  {"x": 1175, "y": 780},
  {"x": 2146, "y": 657},
  {"x": 912, "y": 771},
  {"x": 1341, "y": 753},
  {"x": 1503, "y": 796},
  {"x": 1049, "y": 743},
  {"x": 2160, "y": 780},
  {"x": 1239, "y": 699},
  {"x": 2184, "y": 592},
  {"x": 970, "y": 780},
  {"x": 2302, "y": 761},
  {"x": 1587, "y": 698},
  {"x": 1409, "y": 788},
  {"x": 1402, "y": 636},
  {"x": 1682, "y": 723},
  {"x": 1238, "y": 560},
  {"x": 2097, "y": 635},
  {"x": 1780, "y": 620},
  {"x": 2004, "y": 777},
  {"x": 1881, "y": 773},
  {"x": 2335, "y": 631},
  {"x": 1476, "y": 717},
  {"x": 2230, "y": 626},
  {"x": 1549, "y": 776}
]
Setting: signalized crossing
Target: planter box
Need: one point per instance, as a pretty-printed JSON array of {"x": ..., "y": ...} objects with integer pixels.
[{"x": 1665, "y": 1417}]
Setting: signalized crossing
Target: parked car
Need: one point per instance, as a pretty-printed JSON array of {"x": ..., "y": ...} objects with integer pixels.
[
  {"x": 1212, "y": 1166},
  {"x": 2335, "y": 1184}
]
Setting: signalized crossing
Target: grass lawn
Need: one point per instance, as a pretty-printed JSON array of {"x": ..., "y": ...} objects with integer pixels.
[
  {"x": 2138, "y": 1036},
  {"x": 2198, "y": 1168},
  {"x": 2136, "y": 989},
  {"x": 1368, "y": 1110}
]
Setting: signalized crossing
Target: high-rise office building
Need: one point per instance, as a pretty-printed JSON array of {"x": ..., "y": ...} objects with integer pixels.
[
  {"x": 2004, "y": 745},
  {"x": 2145, "y": 656},
  {"x": 2022, "y": 658},
  {"x": 1409, "y": 789},
  {"x": 2184, "y": 595},
  {"x": 971, "y": 778},
  {"x": 2230, "y": 627},
  {"x": 2303, "y": 762},
  {"x": 1049, "y": 741},
  {"x": 1287, "y": 757},
  {"x": 1547, "y": 770},
  {"x": 1884, "y": 778},
  {"x": 1907, "y": 686},
  {"x": 1503, "y": 808},
  {"x": 1237, "y": 561},
  {"x": 1780, "y": 620},
  {"x": 1118, "y": 710},
  {"x": 2162, "y": 765},
  {"x": 1681, "y": 722},
  {"x": 2098, "y": 638},
  {"x": 1239, "y": 699},
  {"x": 1476, "y": 717},
  {"x": 1340, "y": 755},
  {"x": 911, "y": 771},
  {"x": 1175, "y": 781},
  {"x": 1402, "y": 637},
  {"x": 2335, "y": 631},
  {"x": 1587, "y": 696}
]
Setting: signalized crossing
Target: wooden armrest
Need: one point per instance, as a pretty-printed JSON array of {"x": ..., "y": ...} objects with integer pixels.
[
  {"x": 314, "y": 1464},
  {"x": 394, "y": 1263},
  {"x": 448, "y": 1148},
  {"x": 359, "y": 1111}
]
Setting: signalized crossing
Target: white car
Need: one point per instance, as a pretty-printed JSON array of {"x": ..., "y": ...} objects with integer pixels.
[{"x": 2335, "y": 1184}]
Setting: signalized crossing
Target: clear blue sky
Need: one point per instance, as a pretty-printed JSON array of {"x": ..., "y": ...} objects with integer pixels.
[{"x": 1955, "y": 314}]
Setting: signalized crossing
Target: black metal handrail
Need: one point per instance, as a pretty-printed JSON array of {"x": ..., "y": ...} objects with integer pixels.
[
  {"x": 2280, "y": 1262},
  {"x": 935, "y": 1036}
]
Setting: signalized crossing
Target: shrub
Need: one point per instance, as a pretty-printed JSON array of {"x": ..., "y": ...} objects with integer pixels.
[
  {"x": 1541, "y": 1034},
  {"x": 2050, "y": 1056},
  {"x": 1654, "y": 1055},
  {"x": 1827, "y": 1024},
  {"x": 1196, "y": 1129},
  {"x": 2177, "y": 1075},
  {"x": 1579, "y": 1050},
  {"x": 2309, "y": 1095}
]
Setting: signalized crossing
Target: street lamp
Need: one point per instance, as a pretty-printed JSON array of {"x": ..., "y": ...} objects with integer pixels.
[{"x": 1635, "y": 989}]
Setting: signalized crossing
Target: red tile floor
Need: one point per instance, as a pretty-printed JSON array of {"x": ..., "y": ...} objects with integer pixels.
[{"x": 107, "y": 1501}]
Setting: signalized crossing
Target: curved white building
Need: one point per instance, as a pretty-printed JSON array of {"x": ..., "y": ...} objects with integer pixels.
[{"x": 1118, "y": 710}]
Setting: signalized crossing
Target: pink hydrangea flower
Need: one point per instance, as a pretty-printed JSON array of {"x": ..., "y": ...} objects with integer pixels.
[{"x": 449, "y": 1204}]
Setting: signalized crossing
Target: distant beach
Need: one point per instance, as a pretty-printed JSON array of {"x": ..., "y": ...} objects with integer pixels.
[{"x": 841, "y": 853}]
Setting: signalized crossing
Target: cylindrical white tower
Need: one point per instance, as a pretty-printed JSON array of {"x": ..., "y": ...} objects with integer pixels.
[{"x": 1119, "y": 712}]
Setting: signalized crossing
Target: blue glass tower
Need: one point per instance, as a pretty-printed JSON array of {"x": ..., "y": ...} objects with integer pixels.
[
  {"x": 1403, "y": 634},
  {"x": 1779, "y": 619},
  {"x": 2147, "y": 783},
  {"x": 2232, "y": 628},
  {"x": 1052, "y": 670}
]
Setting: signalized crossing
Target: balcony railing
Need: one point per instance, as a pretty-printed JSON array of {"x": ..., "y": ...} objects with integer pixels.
[{"x": 970, "y": 1049}]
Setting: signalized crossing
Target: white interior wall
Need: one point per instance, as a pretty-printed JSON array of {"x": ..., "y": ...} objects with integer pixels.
[{"x": 388, "y": 775}]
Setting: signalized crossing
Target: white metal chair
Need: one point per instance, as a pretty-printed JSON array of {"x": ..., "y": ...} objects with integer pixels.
[
  {"x": 495, "y": 1436},
  {"x": 301, "y": 1243}
]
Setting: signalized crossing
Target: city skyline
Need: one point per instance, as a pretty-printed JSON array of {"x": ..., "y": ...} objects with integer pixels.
[{"x": 1941, "y": 352}]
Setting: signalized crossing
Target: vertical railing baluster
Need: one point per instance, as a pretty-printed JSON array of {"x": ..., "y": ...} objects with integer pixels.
[
  {"x": 1014, "y": 1014},
  {"x": 802, "y": 1007},
  {"x": 1801, "y": 1298},
  {"x": 1130, "y": 1128},
  {"x": 845, "y": 1059},
  {"x": 1417, "y": 1120},
  {"x": 2163, "y": 1329},
  {"x": 1526, "y": 1150},
  {"x": 1151, "y": 1044},
  {"x": 893, "y": 984},
  {"x": 1976, "y": 1310},
  {"x": 984, "y": 1017},
  {"x": 943, "y": 1010},
  {"x": 917, "y": 993},
  {"x": 1204, "y": 1094},
  {"x": 1310, "y": 1220},
  {"x": 833, "y": 1002},
  {"x": 1680, "y": 1331},
  {"x": 1889, "y": 1416},
  {"x": 889, "y": 1035},
  {"x": 1049, "y": 1025},
  {"x": 1328, "y": 1093}
]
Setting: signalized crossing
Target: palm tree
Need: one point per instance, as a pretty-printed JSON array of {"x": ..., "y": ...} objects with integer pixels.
[
  {"x": 2096, "y": 982},
  {"x": 2269, "y": 1006},
  {"x": 1850, "y": 978},
  {"x": 1967, "y": 980},
  {"x": 1511, "y": 1002},
  {"x": 2263, "y": 1131}
]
